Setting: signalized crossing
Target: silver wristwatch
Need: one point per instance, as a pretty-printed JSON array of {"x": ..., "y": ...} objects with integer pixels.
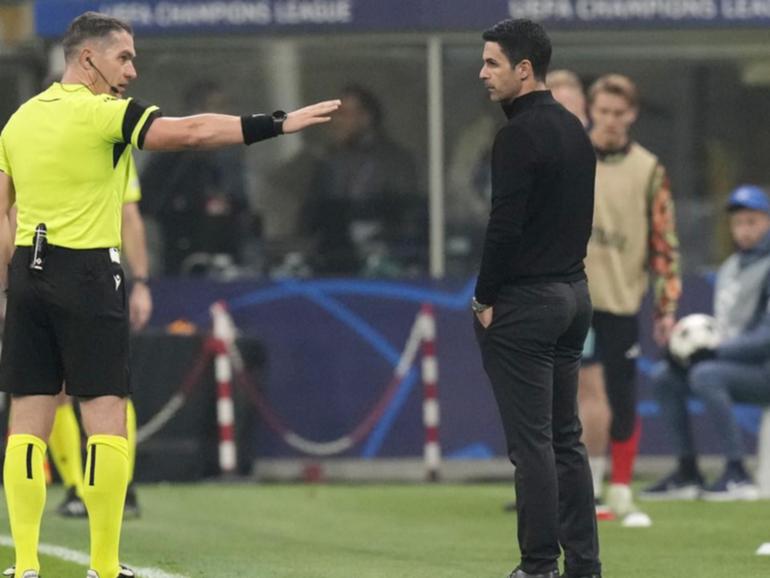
[{"x": 478, "y": 307}]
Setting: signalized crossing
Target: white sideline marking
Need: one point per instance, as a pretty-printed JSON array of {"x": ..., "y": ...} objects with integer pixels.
[
  {"x": 84, "y": 559},
  {"x": 764, "y": 549}
]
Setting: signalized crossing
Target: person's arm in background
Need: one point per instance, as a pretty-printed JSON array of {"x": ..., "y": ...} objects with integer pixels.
[
  {"x": 7, "y": 223},
  {"x": 135, "y": 248},
  {"x": 664, "y": 258},
  {"x": 134, "y": 241},
  {"x": 7, "y": 200}
]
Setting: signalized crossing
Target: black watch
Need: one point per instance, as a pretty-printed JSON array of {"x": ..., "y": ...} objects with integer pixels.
[{"x": 279, "y": 116}]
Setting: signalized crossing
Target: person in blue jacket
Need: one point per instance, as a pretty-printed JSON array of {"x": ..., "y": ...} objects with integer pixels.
[{"x": 737, "y": 371}]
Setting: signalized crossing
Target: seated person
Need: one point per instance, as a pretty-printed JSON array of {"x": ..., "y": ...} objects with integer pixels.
[
  {"x": 737, "y": 371},
  {"x": 199, "y": 198}
]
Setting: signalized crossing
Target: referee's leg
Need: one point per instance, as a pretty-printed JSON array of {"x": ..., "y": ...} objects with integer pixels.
[
  {"x": 94, "y": 337},
  {"x": 106, "y": 479},
  {"x": 31, "y": 374},
  {"x": 24, "y": 476}
]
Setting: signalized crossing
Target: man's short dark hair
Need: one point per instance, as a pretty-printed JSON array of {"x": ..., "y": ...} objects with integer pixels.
[
  {"x": 522, "y": 39},
  {"x": 91, "y": 25}
]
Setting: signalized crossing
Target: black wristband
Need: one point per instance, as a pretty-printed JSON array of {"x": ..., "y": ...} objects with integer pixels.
[{"x": 257, "y": 127}]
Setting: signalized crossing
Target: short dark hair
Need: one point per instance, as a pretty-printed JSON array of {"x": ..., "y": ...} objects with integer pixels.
[
  {"x": 91, "y": 25},
  {"x": 369, "y": 102},
  {"x": 522, "y": 39}
]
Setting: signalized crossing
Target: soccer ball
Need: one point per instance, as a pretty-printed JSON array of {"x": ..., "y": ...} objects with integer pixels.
[{"x": 692, "y": 333}]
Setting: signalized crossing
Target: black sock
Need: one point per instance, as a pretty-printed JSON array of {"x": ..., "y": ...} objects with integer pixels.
[
  {"x": 736, "y": 467},
  {"x": 688, "y": 467}
]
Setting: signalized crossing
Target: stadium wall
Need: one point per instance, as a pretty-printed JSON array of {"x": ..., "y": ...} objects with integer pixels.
[{"x": 327, "y": 349}]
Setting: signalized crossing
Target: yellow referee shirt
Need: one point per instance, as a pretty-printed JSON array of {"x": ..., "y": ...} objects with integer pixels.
[{"x": 67, "y": 151}]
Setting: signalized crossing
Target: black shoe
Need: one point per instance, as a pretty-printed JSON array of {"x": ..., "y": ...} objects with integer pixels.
[
  {"x": 519, "y": 573},
  {"x": 675, "y": 486},
  {"x": 131, "y": 507},
  {"x": 72, "y": 506},
  {"x": 734, "y": 485}
]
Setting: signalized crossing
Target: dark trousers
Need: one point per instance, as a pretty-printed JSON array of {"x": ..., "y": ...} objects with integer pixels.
[{"x": 531, "y": 353}]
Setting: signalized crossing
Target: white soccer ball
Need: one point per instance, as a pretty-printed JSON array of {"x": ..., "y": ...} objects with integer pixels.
[{"x": 691, "y": 333}]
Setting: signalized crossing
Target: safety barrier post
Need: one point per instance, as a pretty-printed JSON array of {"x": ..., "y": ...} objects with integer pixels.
[
  {"x": 223, "y": 336},
  {"x": 430, "y": 406}
]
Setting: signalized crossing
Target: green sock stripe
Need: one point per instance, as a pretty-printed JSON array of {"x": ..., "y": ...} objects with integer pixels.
[
  {"x": 92, "y": 472},
  {"x": 30, "y": 448}
]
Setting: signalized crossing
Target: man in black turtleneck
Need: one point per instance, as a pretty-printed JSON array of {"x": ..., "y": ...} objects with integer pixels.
[{"x": 532, "y": 308}]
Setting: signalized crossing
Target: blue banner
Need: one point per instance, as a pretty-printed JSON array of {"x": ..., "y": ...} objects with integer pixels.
[
  {"x": 332, "y": 345},
  {"x": 287, "y": 16}
]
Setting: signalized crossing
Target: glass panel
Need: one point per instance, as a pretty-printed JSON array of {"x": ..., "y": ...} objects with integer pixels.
[
  {"x": 348, "y": 198},
  {"x": 471, "y": 124}
]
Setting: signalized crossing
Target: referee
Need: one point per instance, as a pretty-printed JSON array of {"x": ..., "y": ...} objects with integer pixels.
[
  {"x": 64, "y": 162},
  {"x": 532, "y": 308}
]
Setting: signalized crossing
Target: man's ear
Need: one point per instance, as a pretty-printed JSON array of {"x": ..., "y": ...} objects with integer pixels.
[
  {"x": 84, "y": 59},
  {"x": 525, "y": 69}
]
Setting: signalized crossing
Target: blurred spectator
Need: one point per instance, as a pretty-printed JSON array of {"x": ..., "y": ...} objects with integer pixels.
[
  {"x": 198, "y": 197},
  {"x": 738, "y": 371},
  {"x": 469, "y": 192},
  {"x": 633, "y": 239},
  {"x": 567, "y": 88},
  {"x": 364, "y": 212}
]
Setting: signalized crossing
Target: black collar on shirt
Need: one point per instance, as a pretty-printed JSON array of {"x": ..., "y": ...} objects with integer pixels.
[
  {"x": 529, "y": 100},
  {"x": 613, "y": 154}
]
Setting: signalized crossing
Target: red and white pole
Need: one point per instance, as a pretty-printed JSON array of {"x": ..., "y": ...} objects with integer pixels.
[
  {"x": 430, "y": 406},
  {"x": 223, "y": 373}
]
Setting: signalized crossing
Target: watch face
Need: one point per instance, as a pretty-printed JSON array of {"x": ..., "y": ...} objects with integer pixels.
[{"x": 279, "y": 115}]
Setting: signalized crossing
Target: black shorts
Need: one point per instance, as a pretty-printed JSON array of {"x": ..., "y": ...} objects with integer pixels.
[
  {"x": 612, "y": 337},
  {"x": 613, "y": 341},
  {"x": 67, "y": 324}
]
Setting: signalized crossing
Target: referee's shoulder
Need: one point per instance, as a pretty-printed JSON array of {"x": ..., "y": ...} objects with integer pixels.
[
  {"x": 95, "y": 100},
  {"x": 84, "y": 97}
]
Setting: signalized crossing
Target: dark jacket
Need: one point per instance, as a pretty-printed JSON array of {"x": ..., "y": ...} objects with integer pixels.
[
  {"x": 753, "y": 344},
  {"x": 543, "y": 170}
]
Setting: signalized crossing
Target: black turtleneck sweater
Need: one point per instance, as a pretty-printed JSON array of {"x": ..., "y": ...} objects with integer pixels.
[{"x": 543, "y": 170}]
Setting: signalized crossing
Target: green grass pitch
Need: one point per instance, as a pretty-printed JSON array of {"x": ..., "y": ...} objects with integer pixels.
[{"x": 396, "y": 531}]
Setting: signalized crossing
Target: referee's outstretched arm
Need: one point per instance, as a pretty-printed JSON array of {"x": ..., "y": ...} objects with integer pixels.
[
  {"x": 205, "y": 131},
  {"x": 65, "y": 157},
  {"x": 99, "y": 53}
]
